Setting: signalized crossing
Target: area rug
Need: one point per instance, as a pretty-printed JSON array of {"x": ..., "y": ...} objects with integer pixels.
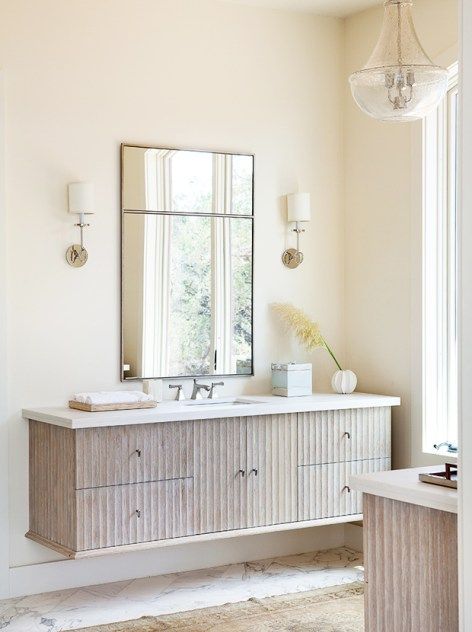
[{"x": 335, "y": 609}]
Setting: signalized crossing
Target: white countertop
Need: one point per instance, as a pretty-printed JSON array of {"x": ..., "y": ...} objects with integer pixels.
[
  {"x": 404, "y": 485},
  {"x": 186, "y": 411}
]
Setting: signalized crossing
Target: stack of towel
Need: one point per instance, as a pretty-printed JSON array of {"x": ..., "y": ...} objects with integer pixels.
[{"x": 112, "y": 397}]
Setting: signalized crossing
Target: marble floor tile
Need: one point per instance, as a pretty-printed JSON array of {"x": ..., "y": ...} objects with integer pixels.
[{"x": 94, "y": 605}]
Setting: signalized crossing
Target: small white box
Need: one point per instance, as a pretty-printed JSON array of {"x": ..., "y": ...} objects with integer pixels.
[{"x": 291, "y": 379}]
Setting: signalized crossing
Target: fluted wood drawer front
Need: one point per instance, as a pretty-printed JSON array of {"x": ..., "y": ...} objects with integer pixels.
[
  {"x": 132, "y": 454},
  {"x": 323, "y": 490},
  {"x": 344, "y": 435},
  {"x": 128, "y": 514}
]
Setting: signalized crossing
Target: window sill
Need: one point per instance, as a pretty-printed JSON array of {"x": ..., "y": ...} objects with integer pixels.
[{"x": 442, "y": 454}]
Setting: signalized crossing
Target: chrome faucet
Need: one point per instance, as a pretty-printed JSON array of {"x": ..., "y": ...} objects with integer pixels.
[
  {"x": 213, "y": 394},
  {"x": 196, "y": 394},
  {"x": 180, "y": 393}
]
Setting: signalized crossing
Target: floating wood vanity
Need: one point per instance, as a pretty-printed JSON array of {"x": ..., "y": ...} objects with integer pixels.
[{"x": 112, "y": 481}]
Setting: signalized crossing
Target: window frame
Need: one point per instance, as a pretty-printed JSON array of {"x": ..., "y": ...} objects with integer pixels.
[{"x": 439, "y": 353}]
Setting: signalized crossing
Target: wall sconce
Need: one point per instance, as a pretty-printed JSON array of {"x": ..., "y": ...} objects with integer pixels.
[
  {"x": 298, "y": 210},
  {"x": 81, "y": 202}
]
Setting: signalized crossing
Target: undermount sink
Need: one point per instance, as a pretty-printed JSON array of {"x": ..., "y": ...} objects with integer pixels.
[{"x": 223, "y": 401}]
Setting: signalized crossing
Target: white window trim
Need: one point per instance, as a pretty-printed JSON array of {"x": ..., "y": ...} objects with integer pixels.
[
  {"x": 420, "y": 451},
  {"x": 439, "y": 331}
]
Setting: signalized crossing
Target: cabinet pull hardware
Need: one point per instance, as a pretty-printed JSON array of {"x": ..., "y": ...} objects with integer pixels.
[
  {"x": 138, "y": 452},
  {"x": 347, "y": 434},
  {"x": 253, "y": 470},
  {"x": 347, "y": 487},
  {"x": 138, "y": 513},
  {"x": 242, "y": 472}
]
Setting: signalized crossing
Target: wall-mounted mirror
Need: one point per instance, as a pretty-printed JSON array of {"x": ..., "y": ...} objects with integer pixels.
[{"x": 187, "y": 263}]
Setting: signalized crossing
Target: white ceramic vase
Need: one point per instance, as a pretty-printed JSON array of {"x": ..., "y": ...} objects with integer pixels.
[{"x": 344, "y": 382}]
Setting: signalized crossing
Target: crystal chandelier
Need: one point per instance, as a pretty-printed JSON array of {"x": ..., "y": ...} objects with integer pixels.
[{"x": 399, "y": 82}]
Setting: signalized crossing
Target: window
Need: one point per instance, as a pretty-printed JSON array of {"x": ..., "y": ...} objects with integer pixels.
[{"x": 440, "y": 374}]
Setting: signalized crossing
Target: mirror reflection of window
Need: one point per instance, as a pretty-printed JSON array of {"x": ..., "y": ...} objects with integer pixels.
[
  {"x": 188, "y": 343},
  {"x": 241, "y": 266},
  {"x": 188, "y": 289},
  {"x": 187, "y": 265},
  {"x": 170, "y": 180},
  {"x": 242, "y": 185},
  {"x": 191, "y": 181}
]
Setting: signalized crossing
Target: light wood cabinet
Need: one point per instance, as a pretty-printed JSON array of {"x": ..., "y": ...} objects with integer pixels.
[
  {"x": 120, "y": 455},
  {"x": 102, "y": 489},
  {"x": 220, "y": 462},
  {"x": 246, "y": 472},
  {"x": 333, "y": 445},
  {"x": 128, "y": 514},
  {"x": 334, "y": 436},
  {"x": 411, "y": 565},
  {"x": 271, "y": 467},
  {"x": 324, "y": 491}
]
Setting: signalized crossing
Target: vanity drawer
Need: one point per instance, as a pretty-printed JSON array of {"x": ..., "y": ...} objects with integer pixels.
[
  {"x": 344, "y": 435},
  {"x": 120, "y": 455},
  {"x": 323, "y": 490},
  {"x": 129, "y": 514}
]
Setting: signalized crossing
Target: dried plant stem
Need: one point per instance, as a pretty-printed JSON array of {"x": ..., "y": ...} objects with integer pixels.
[{"x": 328, "y": 349}]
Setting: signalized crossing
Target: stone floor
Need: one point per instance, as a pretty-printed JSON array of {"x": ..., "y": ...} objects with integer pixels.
[{"x": 121, "y": 601}]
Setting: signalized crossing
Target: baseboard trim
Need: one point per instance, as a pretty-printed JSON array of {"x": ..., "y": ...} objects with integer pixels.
[{"x": 74, "y": 573}]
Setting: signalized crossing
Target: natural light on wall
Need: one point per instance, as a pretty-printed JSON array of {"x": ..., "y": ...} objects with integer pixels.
[{"x": 440, "y": 377}]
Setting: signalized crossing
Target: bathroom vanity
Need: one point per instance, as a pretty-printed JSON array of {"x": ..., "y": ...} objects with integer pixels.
[{"x": 186, "y": 471}]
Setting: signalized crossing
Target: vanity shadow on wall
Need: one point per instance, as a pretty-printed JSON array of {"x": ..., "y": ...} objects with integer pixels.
[{"x": 187, "y": 263}]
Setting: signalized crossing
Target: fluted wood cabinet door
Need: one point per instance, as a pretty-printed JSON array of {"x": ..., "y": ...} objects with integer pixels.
[
  {"x": 272, "y": 469},
  {"x": 220, "y": 474}
]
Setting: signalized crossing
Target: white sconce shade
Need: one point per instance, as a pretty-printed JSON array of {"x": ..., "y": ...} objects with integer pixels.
[
  {"x": 298, "y": 207},
  {"x": 81, "y": 198}
]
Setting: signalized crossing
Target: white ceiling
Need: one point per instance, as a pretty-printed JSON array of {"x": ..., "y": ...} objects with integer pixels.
[{"x": 338, "y": 8}]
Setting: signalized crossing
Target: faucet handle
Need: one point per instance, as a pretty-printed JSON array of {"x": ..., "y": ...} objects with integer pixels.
[
  {"x": 213, "y": 394},
  {"x": 180, "y": 392}
]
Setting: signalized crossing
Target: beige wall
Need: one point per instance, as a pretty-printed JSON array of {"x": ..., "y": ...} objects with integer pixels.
[
  {"x": 84, "y": 75},
  {"x": 383, "y": 240}
]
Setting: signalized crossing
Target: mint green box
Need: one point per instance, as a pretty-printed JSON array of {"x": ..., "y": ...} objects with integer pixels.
[{"x": 291, "y": 379}]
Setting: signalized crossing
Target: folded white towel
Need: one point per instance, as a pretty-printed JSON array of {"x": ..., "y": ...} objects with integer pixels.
[{"x": 112, "y": 397}]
